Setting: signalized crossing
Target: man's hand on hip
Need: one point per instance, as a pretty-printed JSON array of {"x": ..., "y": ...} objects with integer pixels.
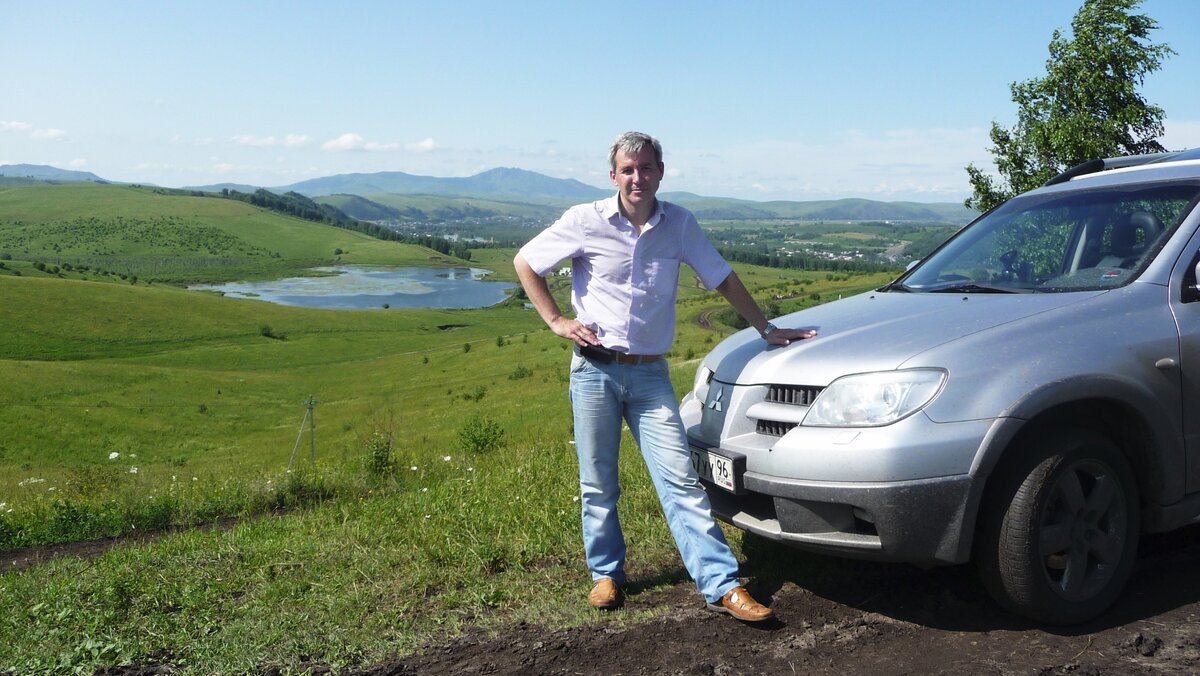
[{"x": 573, "y": 331}]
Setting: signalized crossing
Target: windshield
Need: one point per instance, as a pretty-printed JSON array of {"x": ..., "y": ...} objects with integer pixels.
[{"x": 1082, "y": 240}]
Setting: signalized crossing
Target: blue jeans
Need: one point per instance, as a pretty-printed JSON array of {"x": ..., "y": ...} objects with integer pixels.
[{"x": 641, "y": 394}]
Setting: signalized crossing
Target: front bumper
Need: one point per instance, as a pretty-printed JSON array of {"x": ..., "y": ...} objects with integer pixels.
[{"x": 920, "y": 521}]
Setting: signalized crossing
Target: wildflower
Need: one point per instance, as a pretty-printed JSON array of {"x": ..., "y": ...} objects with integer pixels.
[
  {"x": 133, "y": 470},
  {"x": 413, "y": 468},
  {"x": 446, "y": 458},
  {"x": 114, "y": 455},
  {"x": 470, "y": 469},
  {"x": 425, "y": 490},
  {"x": 195, "y": 479},
  {"x": 31, "y": 480},
  {"x": 575, "y": 498}
]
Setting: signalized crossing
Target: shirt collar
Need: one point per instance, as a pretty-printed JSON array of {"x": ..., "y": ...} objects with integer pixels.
[{"x": 612, "y": 211}]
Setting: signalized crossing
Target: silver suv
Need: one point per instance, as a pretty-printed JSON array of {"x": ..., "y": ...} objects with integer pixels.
[{"x": 1025, "y": 397}]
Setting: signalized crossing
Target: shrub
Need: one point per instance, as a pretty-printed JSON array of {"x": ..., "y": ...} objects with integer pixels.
[
  {"x": 480, "y": 435},
  {"x": 379, "y": 453},
  {"x": 267, "y": 332}
]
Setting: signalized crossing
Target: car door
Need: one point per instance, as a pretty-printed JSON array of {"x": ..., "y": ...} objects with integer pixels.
[{"x": 1185, "y": 301}]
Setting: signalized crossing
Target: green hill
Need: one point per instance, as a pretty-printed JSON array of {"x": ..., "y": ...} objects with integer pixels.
[{"x": 173, "y": 237}]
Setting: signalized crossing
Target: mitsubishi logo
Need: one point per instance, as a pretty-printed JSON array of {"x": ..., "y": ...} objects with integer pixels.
[{"x": 715, "y": 402}]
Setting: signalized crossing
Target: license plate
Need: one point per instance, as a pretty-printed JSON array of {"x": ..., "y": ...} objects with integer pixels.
[{"x": 716, "y": 469}]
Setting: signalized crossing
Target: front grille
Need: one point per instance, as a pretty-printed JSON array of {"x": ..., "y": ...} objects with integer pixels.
[
  {"x": 773, "y": 428},
  {"x": 800, "y": 396},
  {"x": 793, "y": 395}
]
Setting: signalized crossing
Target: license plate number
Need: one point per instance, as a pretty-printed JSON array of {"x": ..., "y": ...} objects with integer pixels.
[{"x": 715, "y": 468}]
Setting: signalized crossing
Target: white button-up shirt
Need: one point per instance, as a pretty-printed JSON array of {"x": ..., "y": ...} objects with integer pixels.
[{"x": 624, "y": 285}]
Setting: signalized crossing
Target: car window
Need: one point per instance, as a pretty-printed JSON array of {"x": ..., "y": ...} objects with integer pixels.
[{"x": 1081, "y": 240}]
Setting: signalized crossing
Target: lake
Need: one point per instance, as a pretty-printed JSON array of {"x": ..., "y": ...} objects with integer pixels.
[{"x": 354, "y": 287}]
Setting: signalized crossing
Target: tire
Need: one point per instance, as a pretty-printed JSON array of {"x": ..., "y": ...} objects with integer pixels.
[{"x": 1059, "y": 533}]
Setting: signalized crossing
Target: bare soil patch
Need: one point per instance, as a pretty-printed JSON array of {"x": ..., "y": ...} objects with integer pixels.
[
  {"x": 836, "y": 616},
  {"x": 857, "y": 617}
]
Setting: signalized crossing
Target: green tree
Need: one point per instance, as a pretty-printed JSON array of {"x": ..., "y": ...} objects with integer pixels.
[{"x": 1087, "y": 106}]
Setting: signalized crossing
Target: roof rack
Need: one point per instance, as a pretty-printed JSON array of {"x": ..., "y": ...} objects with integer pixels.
[{"x": 1097, "y": 165}]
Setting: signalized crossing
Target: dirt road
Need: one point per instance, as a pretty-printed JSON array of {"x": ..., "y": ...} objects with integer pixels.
[{"x": 846, "y": 617}]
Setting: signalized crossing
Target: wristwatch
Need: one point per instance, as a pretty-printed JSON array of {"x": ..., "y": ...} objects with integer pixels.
[{"x": 767, "y": 330}]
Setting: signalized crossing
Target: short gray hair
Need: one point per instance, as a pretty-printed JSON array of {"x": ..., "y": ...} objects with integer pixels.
[{"x": 633, "y": 142}]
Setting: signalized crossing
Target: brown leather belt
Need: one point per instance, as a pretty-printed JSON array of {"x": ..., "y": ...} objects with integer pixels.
[{"x": 607, "y": 356}]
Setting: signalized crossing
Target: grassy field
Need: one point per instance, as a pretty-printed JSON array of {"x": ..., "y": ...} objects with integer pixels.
[
  {"x": 443, "y": 484},
  {"x": 134, "y": 231}
]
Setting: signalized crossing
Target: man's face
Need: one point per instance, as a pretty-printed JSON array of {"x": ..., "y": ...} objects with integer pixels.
[{"x": 637, "y": 176}]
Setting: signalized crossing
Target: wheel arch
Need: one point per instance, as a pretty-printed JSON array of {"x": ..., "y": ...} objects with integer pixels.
[{"x": 1136, "y": 434}]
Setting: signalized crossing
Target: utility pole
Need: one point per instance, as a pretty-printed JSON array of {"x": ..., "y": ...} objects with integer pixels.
[{"x": 310, "y": 404}]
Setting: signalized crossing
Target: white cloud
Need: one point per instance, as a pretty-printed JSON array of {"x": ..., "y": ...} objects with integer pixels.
[
  {"x": 35, "y": 133},
  {"x": 425, "y": 146},
  {"x": 77, "y": 163},
  {"x": 47, "y": 134},
  {"x": 352, "y": 142},
  {"x": 296, "y": 141},
  {"x": 254, "y": 141},
  {"x": 288, "y": 141},
  {"x": 344, "y": 142}
]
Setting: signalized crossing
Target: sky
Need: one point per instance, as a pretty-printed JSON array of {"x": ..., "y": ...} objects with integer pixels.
[{"x": 758, "y": 100}]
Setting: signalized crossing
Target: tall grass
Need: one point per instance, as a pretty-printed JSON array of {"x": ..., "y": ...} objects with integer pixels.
[{"x": 443, "y": 490}]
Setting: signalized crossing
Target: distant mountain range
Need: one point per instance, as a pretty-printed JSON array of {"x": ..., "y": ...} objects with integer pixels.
[
  {"x": 516, "y": 185},
  {"x": 508, "y": 192},
  {"x": 41, "y": 172}
]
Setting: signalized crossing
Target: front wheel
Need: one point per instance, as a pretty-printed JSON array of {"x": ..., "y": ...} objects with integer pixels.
[{"x": 1059, "y": 532}]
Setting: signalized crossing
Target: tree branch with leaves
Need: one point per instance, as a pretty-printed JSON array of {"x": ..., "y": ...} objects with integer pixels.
[{"x": 1087, "y": 106}]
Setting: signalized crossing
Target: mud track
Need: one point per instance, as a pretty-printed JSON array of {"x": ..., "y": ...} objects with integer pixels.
[{"x": 846, "y": 617}]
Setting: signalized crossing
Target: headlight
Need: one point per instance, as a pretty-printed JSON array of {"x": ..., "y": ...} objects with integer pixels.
[
  {"x": 872, "y": 399},
  {"x": 704, "y": 376}
]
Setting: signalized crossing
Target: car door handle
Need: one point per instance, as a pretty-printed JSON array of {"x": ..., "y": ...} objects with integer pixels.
[{"x": 1165, "y": 364}]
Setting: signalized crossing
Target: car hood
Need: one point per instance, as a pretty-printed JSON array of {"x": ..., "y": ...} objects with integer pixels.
[{"x": 875, "y": 331}]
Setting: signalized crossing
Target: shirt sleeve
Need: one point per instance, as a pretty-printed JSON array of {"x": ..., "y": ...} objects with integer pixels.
[
  {"x": 563, "y": 239},
  {"x": 702, "y": 256}
]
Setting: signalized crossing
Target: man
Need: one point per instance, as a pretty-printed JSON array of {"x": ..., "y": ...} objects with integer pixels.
[{"x": 625, "y": 255}]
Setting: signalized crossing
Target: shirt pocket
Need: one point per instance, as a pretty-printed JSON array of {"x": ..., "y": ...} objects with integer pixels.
[{"x": 660, "y": 276}]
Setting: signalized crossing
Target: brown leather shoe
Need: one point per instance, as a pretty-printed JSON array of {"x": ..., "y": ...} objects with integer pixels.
[
  {"x": 741, "y": 605},
  {"x": 605, "y": 594}
]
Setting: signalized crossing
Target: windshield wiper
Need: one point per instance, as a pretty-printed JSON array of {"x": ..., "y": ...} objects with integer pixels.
[
  {"x": 896, "y": 286},
  {"x": 973, "y": 288}
]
